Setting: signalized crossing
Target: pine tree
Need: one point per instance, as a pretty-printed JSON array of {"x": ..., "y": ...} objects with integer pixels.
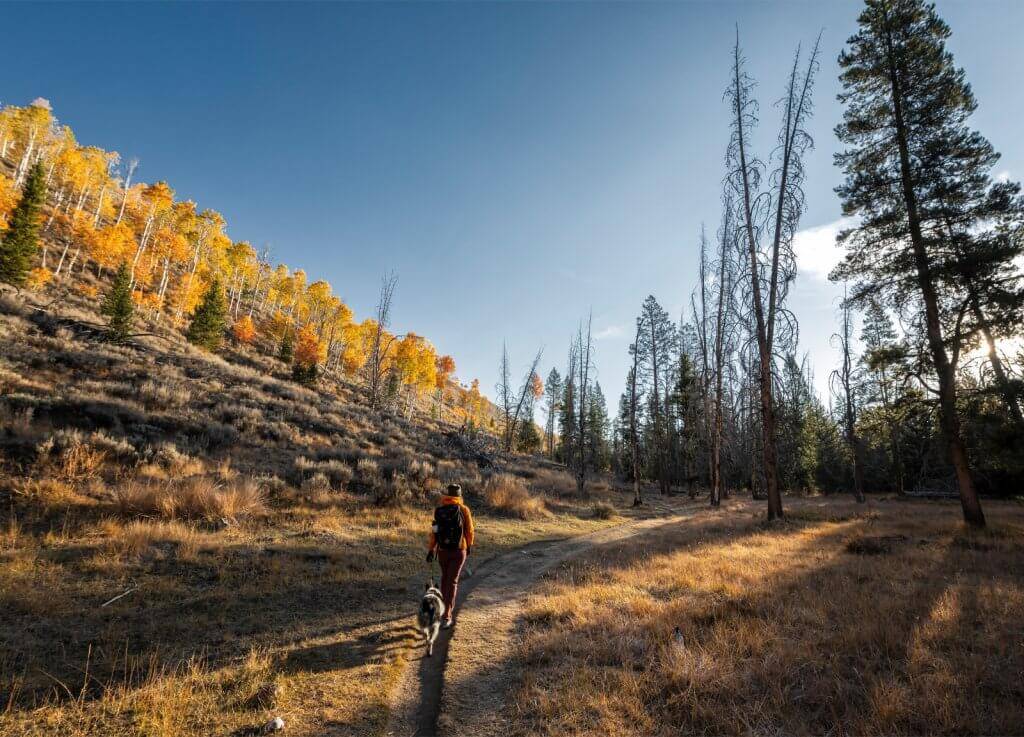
[
  {"x": 287, "y": 350},
  {"x": 598, "y": 425},
  {"x": 21, "y": 240},
  {"x": 659, "y": 343},
  {"x": 917, "y": 177},
  {"x": 553, "y": 398},
  {"x": 118, "y": 307},
  {"x": 210, "y": 318}
]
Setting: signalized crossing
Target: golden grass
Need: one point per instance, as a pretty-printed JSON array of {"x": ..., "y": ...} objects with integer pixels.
[
  {"x": 508, "y": 495},
  {"x": 142, "y": 536},
  {"x": 195, "y": 497},
  {"x": 318, "y": 584},
  {"x": 783, "y": 629}
]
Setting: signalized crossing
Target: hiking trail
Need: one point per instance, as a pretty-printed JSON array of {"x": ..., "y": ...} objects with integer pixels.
[{"x": 473, "y": 657}]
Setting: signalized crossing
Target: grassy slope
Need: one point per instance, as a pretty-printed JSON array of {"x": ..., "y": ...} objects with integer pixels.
[
  {"x": 889, "y": 619},
  {"x": 295, "y": 608}
]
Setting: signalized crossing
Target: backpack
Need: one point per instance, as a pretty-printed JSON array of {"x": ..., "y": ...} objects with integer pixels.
[{"x": 448, "y": 526}]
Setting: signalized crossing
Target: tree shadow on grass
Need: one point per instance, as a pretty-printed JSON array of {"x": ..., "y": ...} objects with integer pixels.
[{"x": 811, "y": 677}]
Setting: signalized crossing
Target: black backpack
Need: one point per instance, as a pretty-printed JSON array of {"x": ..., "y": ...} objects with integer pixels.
[{"x": 448, "y": 526}]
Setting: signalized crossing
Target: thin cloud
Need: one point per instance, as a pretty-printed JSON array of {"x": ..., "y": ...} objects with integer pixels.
[
  {"x": 612, "y": 331},
  {"x": 817, "y": 252},
  {"x": 1003, "y": 176}
]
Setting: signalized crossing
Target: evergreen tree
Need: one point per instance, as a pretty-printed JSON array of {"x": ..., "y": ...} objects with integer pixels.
[
  {"x": 598, "y": 426},
  {"x": 552, "y": 403},
  {"x": 118, "y": 307},
  {"x": 659, "y": 343},
  {"x": 21, "y": 240},
  {"x": 286, "y": 352},
  {"x": 209, "y": 320},
  {"x": 528, "y": 439},
  {"x": 917, "y": 177}
]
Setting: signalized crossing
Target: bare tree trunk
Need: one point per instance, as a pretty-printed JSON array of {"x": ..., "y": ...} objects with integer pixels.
[
  {"x": 719, "y": 347},
  {"x": 378, "y": 351},
  {"x": 844, "y": 376},
  {"x": 127, "y": 186},
  {"x": 771, "y": 473}
]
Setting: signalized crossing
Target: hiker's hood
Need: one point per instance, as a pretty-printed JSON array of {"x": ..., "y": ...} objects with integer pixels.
[{"x": 448, "y": 499}]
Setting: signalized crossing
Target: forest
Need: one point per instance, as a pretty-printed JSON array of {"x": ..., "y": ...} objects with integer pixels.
[{"x": 925, "y": 399}]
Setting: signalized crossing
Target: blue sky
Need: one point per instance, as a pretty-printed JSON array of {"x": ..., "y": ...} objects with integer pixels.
[{"x": 517, "y": 164}]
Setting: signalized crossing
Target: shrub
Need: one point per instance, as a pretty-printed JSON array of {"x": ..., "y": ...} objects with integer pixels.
[
  {"x": 141, "y": 536},
  {"x": 556, "y": 483},
  {"x": 316, "y": 482},
  {"x": 69, "y": 456},
  {"x": 192, "y": 498},
  {"x": 603, "y": 510},
  {"x": 507, "y": 495}
]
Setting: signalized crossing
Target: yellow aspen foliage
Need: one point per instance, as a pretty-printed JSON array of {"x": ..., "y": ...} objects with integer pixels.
[
  {"x": 354, "y": 349},
  {"x": 9, "y": 197},
  {"x": 98, "y": 212},
  {"x": 113, "y": 244},
  {"x": 38, "y": 278},
  {"x": 244, "y": 330},
  {"x": 277, "y": 325}
]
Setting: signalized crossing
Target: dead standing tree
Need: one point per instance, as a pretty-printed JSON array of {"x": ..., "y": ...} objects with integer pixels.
[
  {"x": 844, "y": 384},
  {"x": 775, "y": 212},
  {"x": 512, "y": 404},
  {"x": 722, "y": 344},
  {"x": 581, "y": 363},
  {"x": 381, "y": 344}
]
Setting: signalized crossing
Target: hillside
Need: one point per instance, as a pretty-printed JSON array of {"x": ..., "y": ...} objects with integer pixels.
[{"x": 267, "y": 533}]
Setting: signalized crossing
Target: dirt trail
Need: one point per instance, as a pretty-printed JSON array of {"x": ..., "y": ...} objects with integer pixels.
[{"x": 473, "y": 656}]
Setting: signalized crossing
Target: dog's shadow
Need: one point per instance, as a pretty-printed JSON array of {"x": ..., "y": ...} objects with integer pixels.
[{"x": 350, "y": 653}]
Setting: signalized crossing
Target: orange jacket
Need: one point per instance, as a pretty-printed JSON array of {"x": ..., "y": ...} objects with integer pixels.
[{"x": 467, "y": 524}]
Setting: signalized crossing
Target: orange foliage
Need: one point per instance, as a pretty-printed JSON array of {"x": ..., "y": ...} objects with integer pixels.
[
  {"x": 536, "y": 386},
  {"x": 244, "y": 330},
  {"x": 445, "y": 368},
  {"x": 309, "y": 351}
]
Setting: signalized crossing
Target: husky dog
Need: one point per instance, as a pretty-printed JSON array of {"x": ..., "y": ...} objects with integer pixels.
[{"x": 430, "y": 615}]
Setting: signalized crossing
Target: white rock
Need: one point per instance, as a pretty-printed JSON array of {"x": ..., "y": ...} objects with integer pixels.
[{"x": 274, "y": 725}]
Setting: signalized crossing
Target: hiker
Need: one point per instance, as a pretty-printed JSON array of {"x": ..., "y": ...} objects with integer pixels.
[{"x": 451, "y": 540}]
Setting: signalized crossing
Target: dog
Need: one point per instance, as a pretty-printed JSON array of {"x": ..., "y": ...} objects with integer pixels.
[{"x": 430, "y": 615}]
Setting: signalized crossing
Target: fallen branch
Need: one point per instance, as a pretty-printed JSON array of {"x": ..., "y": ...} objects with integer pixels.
[{"x": 119, "y": 596}]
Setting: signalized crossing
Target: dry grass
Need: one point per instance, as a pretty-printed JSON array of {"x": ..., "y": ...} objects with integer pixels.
[
  {"x": 113, "y": 461},
  {"x": 139, "y": 537},
  {"x": 897, "y": 621},
  {"x": 196, "y": 497},
  {"x": 509, "y": 496}
]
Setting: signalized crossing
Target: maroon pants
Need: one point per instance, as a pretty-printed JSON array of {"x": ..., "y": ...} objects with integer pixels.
[{"x": 451, "y": 562}]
